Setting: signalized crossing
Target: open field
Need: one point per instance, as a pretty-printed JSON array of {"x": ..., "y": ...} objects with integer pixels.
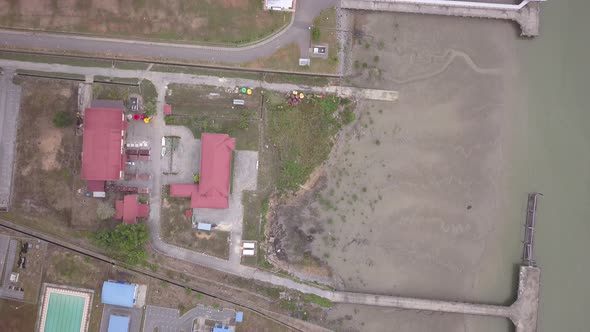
[
  {"x": 177, "y": 229},
  {"x": 228, "y": 22},
  {"x": 48, "y": 164},
  {"x": 17, "y": 316},
  {"x": 210, "y": 109}
]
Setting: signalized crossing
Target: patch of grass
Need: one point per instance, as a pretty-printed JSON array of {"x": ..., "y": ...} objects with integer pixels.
[
  {"x": 302, "y": 136},
  {"x": 66, "y": 76},
  {"x": 246, "y": 139},
  {"x": 321, "y": 301},
  {"x": 297, "y": 79},
  {"x": 72, "y": 61},
  {"x": 316, "y": 34},
  {"x": 130, "y": 65},
  {"x": 116, "y": 80},
  {"x": 63, "y": 119},
  {"x": 206, "y": 71}
]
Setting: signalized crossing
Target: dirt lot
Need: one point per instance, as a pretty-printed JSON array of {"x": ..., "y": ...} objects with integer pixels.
[
  {"x": 210, "y": 109},
  {"x": 17, "y": 316},
  {"x": 177, "y": 229},
  {"x": 227, "y": 21},
  {"x": 414, "y": 189},
  {"x": 48, "y": 159}
]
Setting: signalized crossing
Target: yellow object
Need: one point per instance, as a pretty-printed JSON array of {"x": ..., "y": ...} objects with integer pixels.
[
  {"x": 249, "y": 91},
  {"x": 147, "y": 120},
  {"x": 301, "y": 95},
  {"x": 295, "y": 92}
]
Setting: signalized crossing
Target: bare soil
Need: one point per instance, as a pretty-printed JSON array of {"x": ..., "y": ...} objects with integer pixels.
[
  {"x": 177, "y": 229},
  {"x": 228, "y": 21},
  {"x": 48, "y": 159}
]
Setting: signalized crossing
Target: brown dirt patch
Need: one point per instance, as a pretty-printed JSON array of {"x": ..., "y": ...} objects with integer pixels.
[{"x": 47, "y": 157}]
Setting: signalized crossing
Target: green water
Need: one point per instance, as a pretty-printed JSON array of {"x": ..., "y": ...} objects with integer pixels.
[{"x": 555, "y": 148}]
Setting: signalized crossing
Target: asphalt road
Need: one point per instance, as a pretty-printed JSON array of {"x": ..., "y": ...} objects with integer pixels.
[{"x": 296, "y": 32}]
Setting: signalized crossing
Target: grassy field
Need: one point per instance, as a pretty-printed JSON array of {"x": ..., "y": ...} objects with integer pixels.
[
  {"x": 226, "y": 21},
  {"x": 177, "y": 230},
  {"x": 210, "y": 109},
  {"x": 302, "y": 135}
]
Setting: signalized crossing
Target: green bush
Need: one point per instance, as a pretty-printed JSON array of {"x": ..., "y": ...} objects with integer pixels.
[
  {"x": 316, "y": 34},
  {"x": 125, "y": 242},
  {"x": 63, "y": 119}
]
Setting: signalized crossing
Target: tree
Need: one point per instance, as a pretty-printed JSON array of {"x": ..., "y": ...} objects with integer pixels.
[
  {"x": 104, "y": 211},
  {"x": 63, "y": 119},
  {"x": 149, "y": 108},
  {"x": 126, "y": 241},
  {"x": 315, "y": 34},
  {"x": 197, "y": 178}
]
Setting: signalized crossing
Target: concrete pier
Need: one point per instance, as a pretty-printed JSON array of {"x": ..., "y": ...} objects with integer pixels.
[
  {"x": 526, "y": 14},
  {"x": 523, "y": 313}
]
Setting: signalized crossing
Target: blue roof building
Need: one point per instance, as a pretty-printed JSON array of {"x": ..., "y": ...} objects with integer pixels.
[
  {"x": 118, "y": 324},
  {"x": 220, "y": 328},
  {"x": 120, "y": 294},
  {"x": 239, "y": 316}
]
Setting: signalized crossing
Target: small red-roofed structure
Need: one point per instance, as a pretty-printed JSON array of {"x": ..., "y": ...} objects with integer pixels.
[
  {"x": 129, "y": 209},
  {"x": 167, "y": 109}
]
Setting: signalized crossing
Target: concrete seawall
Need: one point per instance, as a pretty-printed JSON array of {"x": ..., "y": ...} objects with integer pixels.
[{"x": 526, "y": 14}]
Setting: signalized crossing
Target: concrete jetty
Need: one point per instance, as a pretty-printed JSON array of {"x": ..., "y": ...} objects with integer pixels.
[
  {"x": 526, "y": 14},
  {"x": 523, "y": 312}
]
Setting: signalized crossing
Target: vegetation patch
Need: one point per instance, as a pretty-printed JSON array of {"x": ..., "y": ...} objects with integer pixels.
[
  {"x": 302, "y": 136},
  {"x": 209, "y": 109},
  {"x": 125, "y": 242}
]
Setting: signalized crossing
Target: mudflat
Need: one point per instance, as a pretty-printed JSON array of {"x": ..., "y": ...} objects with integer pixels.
[{"x": 411, "y": 199}]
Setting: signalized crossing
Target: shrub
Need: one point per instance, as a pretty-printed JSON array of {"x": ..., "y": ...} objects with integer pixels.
[
  {"x": 125, "y": 241},
  {"x": 197, "y": 178},
  {"x": 63, "y": 119},
  {"x": 316, "y": 34}
]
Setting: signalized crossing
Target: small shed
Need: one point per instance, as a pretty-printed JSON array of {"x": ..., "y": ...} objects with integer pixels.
[
  {"x": 249, "y": 245},
  {"x": 248, "y": 252},
  {"x": 239, "y": 316},
  {"x": 167, "y": 109}
]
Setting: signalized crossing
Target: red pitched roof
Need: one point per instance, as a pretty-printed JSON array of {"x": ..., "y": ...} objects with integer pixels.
[
  {"x": 102, "y": 158},
  {"x": 95, "y": 185},
  {"x": 212, "y": 192},
  {"x": 167, "y": 109},
  {"x": 129, "y": 209}
]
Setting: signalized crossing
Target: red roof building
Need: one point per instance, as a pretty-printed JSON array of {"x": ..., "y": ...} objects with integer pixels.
[
  {"x": 212, "y": 192},
  {"x": 167, "y": 109},
  {"x": 102, "y": 150},
  {"x": 129, "y": 209}
]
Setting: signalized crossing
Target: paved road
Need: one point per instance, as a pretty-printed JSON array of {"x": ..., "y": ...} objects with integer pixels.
[
  {"x": 166, "y": 319},
  {"x": 9, "y": 108},
  {"x": 296, "y": 32}
]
